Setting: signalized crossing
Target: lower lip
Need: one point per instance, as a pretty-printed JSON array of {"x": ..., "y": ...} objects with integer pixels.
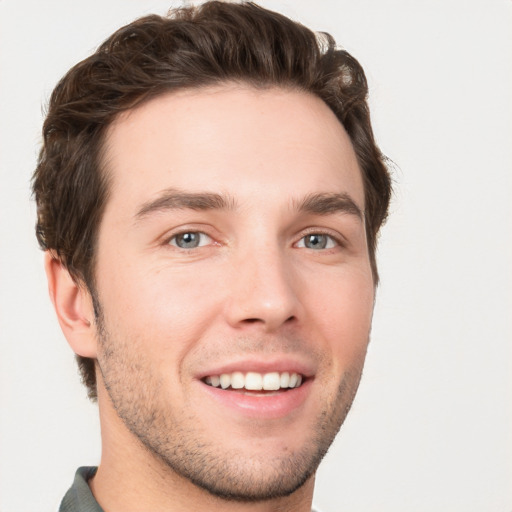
[{"x": 268, "y": 406}]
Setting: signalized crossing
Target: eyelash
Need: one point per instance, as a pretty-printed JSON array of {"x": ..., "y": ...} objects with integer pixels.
[
  {"x": 330, "y": 240},
  {"x": 336, "y": 240},
  {"x": 187, "y": 232}
]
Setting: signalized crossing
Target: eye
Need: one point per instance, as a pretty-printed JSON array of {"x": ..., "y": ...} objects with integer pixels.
[
  {"x": 190, "y": 240},
  {"x": 317, "y": 241}
]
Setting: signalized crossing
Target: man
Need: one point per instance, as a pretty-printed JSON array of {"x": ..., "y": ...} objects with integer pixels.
[{"x": 209, "y": 196}]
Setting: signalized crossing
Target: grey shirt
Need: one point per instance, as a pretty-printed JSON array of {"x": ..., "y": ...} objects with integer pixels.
[{"x": 79, "y": 498}]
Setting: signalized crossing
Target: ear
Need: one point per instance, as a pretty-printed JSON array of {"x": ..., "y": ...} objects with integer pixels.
[{"x": 73, "y": 305}]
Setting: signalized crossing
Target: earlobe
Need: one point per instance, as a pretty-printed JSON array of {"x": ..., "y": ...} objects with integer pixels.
[{"x": 73, "y": 306}]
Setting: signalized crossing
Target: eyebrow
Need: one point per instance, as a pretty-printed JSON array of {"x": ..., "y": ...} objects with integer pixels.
[
  {"x": 318, "y": 204},
  {"x": 329, "y": 203},
  {"x": 172, "y": 199}
]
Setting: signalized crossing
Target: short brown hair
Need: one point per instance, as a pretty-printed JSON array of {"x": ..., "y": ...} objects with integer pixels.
[{"x": 191, "y": 47}]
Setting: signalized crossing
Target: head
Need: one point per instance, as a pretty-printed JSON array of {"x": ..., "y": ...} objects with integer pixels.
[{"x": 192, "y": 55}]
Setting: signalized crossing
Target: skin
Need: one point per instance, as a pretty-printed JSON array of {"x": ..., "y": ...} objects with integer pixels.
[{"x": 254, "y": 291}]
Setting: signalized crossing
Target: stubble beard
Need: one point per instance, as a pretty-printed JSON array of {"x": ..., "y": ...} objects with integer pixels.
[{"x": 137, "y": 395}]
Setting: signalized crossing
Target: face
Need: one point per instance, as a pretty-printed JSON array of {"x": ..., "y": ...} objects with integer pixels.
[{"x": 234, "y": 285}]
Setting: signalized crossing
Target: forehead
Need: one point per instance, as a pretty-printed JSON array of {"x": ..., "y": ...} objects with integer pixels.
[{"x": 231, "y": 139}]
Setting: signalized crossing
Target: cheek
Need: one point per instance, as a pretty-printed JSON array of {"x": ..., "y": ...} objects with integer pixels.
[
  {"x": 165, "y": 309},
  {"x": 345, "y": 314}
]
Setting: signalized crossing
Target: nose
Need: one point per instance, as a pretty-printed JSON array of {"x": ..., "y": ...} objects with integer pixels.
[{"x": 262, "y": 292}]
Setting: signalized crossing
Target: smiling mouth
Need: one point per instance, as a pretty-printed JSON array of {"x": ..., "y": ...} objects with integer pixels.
[{"x": 253, "y": 381}]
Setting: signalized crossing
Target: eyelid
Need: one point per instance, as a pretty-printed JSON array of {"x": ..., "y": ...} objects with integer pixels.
[
  {"x": 200, "y": 233},
  {"x": 169, "y": 236},
  {"x": 338, "y": 238}
]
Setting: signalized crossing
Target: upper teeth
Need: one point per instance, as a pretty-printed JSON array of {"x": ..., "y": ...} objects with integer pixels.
[{"x": 253, "y": 381}]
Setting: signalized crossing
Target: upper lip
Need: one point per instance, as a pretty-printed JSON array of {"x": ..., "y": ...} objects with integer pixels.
[{"x": 261, "y": 365}]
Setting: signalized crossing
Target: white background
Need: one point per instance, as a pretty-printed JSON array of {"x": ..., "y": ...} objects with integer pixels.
[{"x": 431, "y": 428}]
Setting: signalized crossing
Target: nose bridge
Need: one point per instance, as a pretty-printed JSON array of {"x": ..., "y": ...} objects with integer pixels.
[{"x": 262, "y": 286}]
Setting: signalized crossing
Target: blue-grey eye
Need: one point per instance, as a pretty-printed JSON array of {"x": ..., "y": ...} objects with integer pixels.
[
  {"x": 189, "y": 240},
  {"x": 317, "y": 241}
]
